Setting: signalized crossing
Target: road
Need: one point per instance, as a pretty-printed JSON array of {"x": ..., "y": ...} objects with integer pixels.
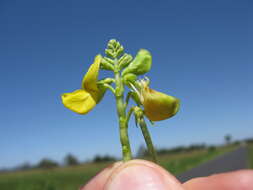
[{"x": 228, "y": 162}]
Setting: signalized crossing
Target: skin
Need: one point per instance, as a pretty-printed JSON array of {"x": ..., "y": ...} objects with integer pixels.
[{"x": 141, "y": 174}]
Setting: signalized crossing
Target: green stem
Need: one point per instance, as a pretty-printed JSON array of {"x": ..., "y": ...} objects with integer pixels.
[
  {"x": 129, "y": 94},
  {"x": 129, "y": 114},
  {"x": 121, "y": 110},
  {"x": 148, "y": 139},
  {"x": 108, "y": 86}
]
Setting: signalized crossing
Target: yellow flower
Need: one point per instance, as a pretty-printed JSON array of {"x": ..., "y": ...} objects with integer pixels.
[
  {"x": 157, "y": 105},
  {"x": 84, "y": 100}
]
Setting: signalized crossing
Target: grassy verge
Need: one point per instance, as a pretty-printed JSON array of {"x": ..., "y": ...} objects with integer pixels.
[
  {"x": 182, "y": 162},
  {"x": 250, "y": 148},
  {"x": 70, "y": 178}
]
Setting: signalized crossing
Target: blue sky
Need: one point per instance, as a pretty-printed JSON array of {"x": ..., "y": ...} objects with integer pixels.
[{"x": 202, "y": 54}]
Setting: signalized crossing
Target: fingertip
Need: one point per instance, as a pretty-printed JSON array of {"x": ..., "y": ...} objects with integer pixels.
[
  {"x": 134, "y": 175},
  {"x": 98, "y": 181},
  {"x": 141, "y": 174}
]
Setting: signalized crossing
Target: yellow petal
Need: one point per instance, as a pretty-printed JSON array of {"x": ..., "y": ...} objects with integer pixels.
[
  {"x": 89, "y": 82},
  {"x": 159, "y": 106},
  {"x": 79, "y": 101}
]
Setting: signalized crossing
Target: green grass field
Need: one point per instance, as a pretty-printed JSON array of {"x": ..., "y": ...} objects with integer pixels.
[
  {"x": 70, "y": 178},
  {"x": 182, "y": 162},
  {"x": 250, "y": 148}
]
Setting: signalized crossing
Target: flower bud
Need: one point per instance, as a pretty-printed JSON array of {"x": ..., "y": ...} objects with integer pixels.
[
  {"x": 119, "y": 51},
  {"x": 140, "y": 65},
  {"x": 114, "y": 49},
  {"x": 124, "y": 61},
  {"x": 106, "y": 64},
  {"x": 129, "y": 78},
  {"x": 109, "y": 53}
]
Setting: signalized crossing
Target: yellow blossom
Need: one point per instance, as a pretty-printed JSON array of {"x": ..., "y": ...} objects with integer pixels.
[
  {"x": 157, "y": 105},
  {"x": 84, "y": 100}
]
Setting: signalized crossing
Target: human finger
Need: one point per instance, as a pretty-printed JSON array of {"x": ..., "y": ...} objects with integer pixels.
[
  {"x": 98, "y": 182},
  {"x": 237, "y": 180},
  {"x": 139, "y": 175}
]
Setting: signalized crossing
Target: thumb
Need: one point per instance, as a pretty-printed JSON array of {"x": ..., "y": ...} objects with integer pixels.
[{"x": 139, "y": 175}]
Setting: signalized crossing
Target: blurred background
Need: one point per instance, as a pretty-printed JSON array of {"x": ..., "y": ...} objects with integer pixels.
[{"x": 202, "y": 54}]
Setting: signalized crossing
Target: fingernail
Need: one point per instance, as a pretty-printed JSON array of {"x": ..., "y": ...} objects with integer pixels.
[{"x": 137, "y": 177}]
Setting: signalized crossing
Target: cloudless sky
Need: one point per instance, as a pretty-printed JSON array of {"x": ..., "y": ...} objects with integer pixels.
[{"x": 202, "y": 54}]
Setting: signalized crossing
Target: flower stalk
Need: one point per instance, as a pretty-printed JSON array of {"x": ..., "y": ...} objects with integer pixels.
[
  {"x": 121, "y": 110},
  {"x": 154, "y": 105},
  {"x": 148, "y": 140}
]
